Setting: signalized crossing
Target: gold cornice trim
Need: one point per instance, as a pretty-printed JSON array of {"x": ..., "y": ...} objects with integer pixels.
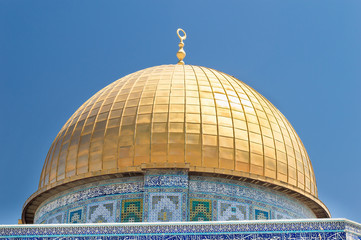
[{"x": 166, "y": 165}]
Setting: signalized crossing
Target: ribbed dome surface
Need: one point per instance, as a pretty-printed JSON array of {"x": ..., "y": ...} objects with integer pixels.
[{"x": 172, "y": 115}]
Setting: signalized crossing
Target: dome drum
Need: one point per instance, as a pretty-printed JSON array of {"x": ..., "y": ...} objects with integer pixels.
[{"x": 169, "y": 195}]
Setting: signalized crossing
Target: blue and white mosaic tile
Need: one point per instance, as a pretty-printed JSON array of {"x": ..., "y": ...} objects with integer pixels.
[
  {"x": 166, "y": 178},
  {"x": 91, "y": 191},
  {"x": 76, "y": 215},
  {"x": 57, "y": 218},
  {"x": 101, "y": 212},
  {"x": 250, "y": 194},
  {"x": 231, "y": 211},
  {"x": 166, "y": 196},
  {"x": 165, "y": 207},
  {"x": 325, "y": 229}
]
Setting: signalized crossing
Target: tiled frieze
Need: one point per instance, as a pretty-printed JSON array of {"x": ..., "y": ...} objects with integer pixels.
[
  {"x": 353, "y": 231},
  {"x": 169, "y": 196},
  {"x": 91, "y": 191},
  {"x": 91, "y": 195},
  {"x": 335, "y": 229},
  {"x": 166, "y": 178},
  {"x": 250, "y": 194}
]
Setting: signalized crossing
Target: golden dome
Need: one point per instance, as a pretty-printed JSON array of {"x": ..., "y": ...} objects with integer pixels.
[{"x": 181, "y": 116}]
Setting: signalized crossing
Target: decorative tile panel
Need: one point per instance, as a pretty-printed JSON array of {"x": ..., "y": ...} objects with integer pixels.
[
  {"x": 101, "y": 212},
  {"x": 56, "y": 219},
  {"x": 314, "y": 229},
  {"x": 90, "y": 191},
  {"x": 261, "y": 214},
  {"x": 165, "y": 197},
  {"x": 76, "y": 215},
  {"x": 132, "y": 210},
  {"x": 231, "y": 211},
  {"x": 200, "y": 210},
  {"x": 279, "y": 215},
  {"x": 165, "y": 207},
  {"x": 247, "y": 193}
]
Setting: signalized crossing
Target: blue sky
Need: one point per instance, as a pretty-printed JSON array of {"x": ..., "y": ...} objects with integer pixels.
[{"x": 304, "y": 56}]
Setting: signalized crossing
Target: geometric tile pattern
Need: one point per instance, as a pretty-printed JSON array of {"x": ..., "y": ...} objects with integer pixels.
[
  {"x": 250, "y": 194},
  {"x": 200, "y": 210},
  {"x": 76, "y": 215},
  {"x": 93, "y": 190},
  {"x": 56, "y": 219},
  {"x": 326, "y": 229},
  {"x": 279, "y": 215},
  {"x": 230, "y": 211},
  {"x": 165, "y": 207},
  {"x": 101, "y": 212},
  {"x": 132, "y": 210},
  {"x": 261, "y": 214},
  {"x": 163, "y": 195}
]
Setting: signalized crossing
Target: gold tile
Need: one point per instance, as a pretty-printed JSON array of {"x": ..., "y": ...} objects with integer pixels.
[
  {"x": 255, "y": 169},
  {"x": 226, "y": 153},
  {"x": 176, "y": 108},
  {"x": 227, "y": 142},
  {"x": 161, "y": 108},
  {"x": 225, "y": 131},
  {"x": 225, "y": 163},
  {"x": 242, "y": 145},
  {"x": 208, "y": 110},
  {"x": 176, "y": 138},
  {"x": 269, "y": 152},
  {"x": 209, "y": 129},
  {"x": 144, "y": 118},
  {"x": 192, "y": 108},
  {"x": 270, "y": 164},
  {"x": 209, "y": 119},
  {"x": 176, "y": 127},
  {"x": 242, "y": 167},
  {"x": 242, "y": 156},
  {"x": 176, "y": 117},
  {"x": 158, "y": 150},
  {"x": 193, "y": 117},
  {"x": 193, "y": 128},
  {"x": 210, "y": 156},
  {"x": 225, "y": 121},
  {"x": 256, "y": 148},
  {"x": 257, "y": 159},
  {"x": 193, "y": 139},
  {"x": 210, "y": 140}
]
